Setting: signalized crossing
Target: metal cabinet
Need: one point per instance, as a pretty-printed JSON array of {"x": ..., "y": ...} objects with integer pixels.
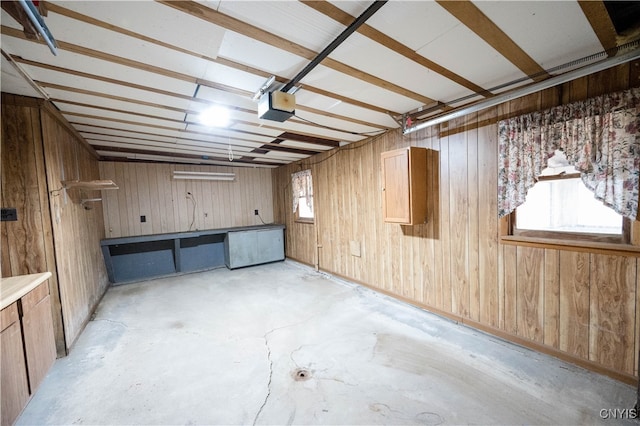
[
  {"x": 253, "y": 247},
  {"x": 142, "y": 257}
]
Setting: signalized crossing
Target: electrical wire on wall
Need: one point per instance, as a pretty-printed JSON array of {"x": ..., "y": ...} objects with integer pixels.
[
  {"x": 193, "y": 215},
  {"x": 305, "y": 164},
  {"x": 372, "y": 133},
  {"x": 230, "y": 150}
]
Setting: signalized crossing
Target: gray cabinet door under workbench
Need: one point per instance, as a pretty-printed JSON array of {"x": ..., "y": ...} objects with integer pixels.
[{"x": 253, "y": 247}]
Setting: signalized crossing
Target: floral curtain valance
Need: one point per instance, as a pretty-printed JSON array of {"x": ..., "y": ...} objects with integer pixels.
[
  {"x": 598, "y": 136},
  {"x": 302, "y": 188}
]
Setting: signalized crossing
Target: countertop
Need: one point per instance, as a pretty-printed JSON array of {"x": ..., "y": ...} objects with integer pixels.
[
  {"x": 13, "y": 288},
  {"x": 188, "y": 234}
]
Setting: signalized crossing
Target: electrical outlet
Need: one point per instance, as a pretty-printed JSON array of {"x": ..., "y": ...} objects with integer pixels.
[
  {"x": 256, "y": 212},
  {"x": 143, "y": 219},
  {"x": 11, "y": 214}
]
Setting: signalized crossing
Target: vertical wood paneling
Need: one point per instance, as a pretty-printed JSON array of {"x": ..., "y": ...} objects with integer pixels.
[
  {"x": 510, "y": 263},
  {"x": 444, "y": 298},
  {"x": 455, "y": 263},
  {"x": 77, "y": 231},
  {"x": 63, "y": 235},
  {"x": 530, "y": 293},
  {"x": 430, "y": 261},
  {"x": 574, "y": 303},
  {"x": 144, "y": 201},
  {"x": 121, "y": 209},
  {"x": 613, "y": 80},
  {"x": 149, "y": 190},
  {"x": 373, "y": 200},
  {"x": 25, "y": 252},
  {"x": 552, "y": 298},
  {"x": 473, "y": 216},
  {"x": 575, "y": 90},
  {"x": 613, "y": 294},
  {"x": 27, "y": 244},
  {"x": 459, "y": 220},
  {"x": 489, "y": 292}
]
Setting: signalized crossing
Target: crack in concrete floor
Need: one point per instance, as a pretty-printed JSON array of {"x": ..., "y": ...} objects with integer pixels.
[
  {"x": 266, "y": 398},
  {"x": 194, "y": 350}
]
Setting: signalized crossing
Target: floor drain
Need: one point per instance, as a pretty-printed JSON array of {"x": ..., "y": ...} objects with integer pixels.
[{"x": 301, "y": 374}]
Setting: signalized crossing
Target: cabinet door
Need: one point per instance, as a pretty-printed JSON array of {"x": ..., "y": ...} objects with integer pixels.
[
  {"x": 13, "y": 380},
  {"x": 253, "y": 247},
  {"x": 241, "y": 249},
  {"x": 39, "y": 342},
  {"x": 395, "y": 186},
  {"x": 404, "y": 180},
  {"x": 270, "y": 245}
]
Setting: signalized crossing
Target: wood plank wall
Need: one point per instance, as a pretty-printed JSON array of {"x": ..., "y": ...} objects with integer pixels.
[
  {"x": 26, "y": 245},
  {"x": 578, "y": 304},
  {"x": 76, "y": 231},
  {"x": 54, "y": 232},
  {"x": 149, "y": 190}
]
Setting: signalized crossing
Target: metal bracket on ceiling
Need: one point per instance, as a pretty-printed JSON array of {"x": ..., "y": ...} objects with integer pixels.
[
  {"x": 24, "y": 74},
  {"x": 373, "y": 8},
  {"x": 412, "y": 117}
]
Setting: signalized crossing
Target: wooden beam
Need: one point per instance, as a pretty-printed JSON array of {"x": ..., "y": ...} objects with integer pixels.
[
  {"x": 205, "y": 13},
  {"x": 344, "y": 18},
  {"x": 598, "y": 16},
  {"x": 469, "y": 14},
  {"x": 166, "y": 93},
  {"x": 181, "y": 155},
  {"x": 218, "y": 60}
]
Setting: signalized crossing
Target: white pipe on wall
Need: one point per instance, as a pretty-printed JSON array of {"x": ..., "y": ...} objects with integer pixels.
[{"x": 523, "y": 91}]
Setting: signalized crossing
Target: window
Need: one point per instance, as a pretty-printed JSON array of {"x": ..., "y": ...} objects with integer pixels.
[
  {"x": 560, "y": 206},
  {"x": 302, "y": 186}
]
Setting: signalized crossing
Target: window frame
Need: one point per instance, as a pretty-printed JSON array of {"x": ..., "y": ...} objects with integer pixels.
[
  {"x": 622, "y": 238},
  {"x": 303, "y": 219}
]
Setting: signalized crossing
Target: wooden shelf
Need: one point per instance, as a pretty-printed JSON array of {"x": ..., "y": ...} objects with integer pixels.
[
  {"x": 86, "y": 201},
  {"x": 93, "y": 185}
]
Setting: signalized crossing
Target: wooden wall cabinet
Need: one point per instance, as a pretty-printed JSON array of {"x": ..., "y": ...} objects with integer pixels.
[{"x": 404, "y": 186}]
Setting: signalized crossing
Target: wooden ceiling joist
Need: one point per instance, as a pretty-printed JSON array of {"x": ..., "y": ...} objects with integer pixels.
[
  {"x": 218, "y": 60},
  {"x": 469, "y": 14},
  {"x": 203, "y": 12},
  {"x": 597, "y": 15},
  {"x": 344, "y": 18}
]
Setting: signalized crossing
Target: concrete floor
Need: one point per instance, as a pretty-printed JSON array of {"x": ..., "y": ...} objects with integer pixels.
[{"x": 282, "y": 344}]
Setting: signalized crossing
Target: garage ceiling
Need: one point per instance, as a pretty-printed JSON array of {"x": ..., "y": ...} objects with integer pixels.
[{"x": 132, "y": 77}]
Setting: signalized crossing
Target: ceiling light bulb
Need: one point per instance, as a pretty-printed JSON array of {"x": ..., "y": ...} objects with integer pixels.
[{"x": 215, "y": 116}]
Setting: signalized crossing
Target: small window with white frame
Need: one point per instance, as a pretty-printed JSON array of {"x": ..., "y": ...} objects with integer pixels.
[
  {"x": 560, "y": 206},
  {"x": 302, "y": 185}
]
